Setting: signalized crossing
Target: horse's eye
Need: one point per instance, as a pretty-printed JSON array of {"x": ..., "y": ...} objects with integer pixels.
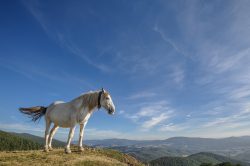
[{"x": 107, "y": 98}]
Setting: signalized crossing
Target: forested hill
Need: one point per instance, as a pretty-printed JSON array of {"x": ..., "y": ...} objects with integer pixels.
[
  {"x": 10, "y": 142},
  {"x": 195, "y": 160},
  {"x": 23, "y": 141},
  {"x": 40, "y": 140}
]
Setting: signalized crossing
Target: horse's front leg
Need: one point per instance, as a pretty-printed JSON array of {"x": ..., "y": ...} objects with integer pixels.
[
  {"x": 82, "y": 126},
  {"x": 71, "y": 134}
]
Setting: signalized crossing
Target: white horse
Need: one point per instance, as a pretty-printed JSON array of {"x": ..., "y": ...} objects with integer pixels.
[{"x": 67, "y": 115}]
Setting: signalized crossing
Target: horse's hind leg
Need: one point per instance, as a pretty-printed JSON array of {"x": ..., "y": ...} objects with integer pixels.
[
  {"x": 71, "y": 134},
  {"x": 52, "y": 133},
  {"x": 46, "y": 136}
]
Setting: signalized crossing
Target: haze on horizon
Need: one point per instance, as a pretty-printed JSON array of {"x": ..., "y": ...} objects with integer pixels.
[{"x": 173, "y": 68}]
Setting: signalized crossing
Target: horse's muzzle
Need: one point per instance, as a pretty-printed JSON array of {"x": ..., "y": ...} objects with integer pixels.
[{"x": 111, "y": 111}]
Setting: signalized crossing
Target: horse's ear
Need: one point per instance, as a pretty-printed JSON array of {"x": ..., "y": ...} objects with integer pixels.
[{"x": 102, "y": 90}]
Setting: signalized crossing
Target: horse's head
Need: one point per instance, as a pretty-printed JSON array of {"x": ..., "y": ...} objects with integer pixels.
[{"x": 106, "y": 102}]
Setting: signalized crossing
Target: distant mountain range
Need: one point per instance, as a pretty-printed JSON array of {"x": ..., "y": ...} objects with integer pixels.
[
  {"x": 178, "y": 142},
  {"x": 233, "y": 147}
]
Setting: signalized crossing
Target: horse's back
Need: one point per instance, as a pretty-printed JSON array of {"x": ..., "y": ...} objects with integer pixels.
[
  {"x": 53, "y": 106},
  {"x": 57, "y": 102}
]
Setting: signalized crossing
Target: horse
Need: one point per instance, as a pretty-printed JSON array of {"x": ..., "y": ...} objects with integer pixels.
[{"x": 69, "y": 114}]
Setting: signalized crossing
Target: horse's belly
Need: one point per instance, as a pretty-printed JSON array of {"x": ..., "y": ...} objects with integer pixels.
[{"x": 65, "y": 123}]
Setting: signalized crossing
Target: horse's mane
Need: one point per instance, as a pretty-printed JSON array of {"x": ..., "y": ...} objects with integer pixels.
[{"x": 89, "y": 99}]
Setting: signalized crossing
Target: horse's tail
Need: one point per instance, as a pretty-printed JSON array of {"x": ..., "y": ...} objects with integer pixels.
[{"x": 34, "y": 112}]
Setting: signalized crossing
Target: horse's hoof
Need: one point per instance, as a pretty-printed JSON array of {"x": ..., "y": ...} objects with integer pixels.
[
  {"x": 80, "y": 149},
  {"x": 67, "y": 151},
  {"x": 46, "y": 150},
  {"x": 50, "y": 149}
]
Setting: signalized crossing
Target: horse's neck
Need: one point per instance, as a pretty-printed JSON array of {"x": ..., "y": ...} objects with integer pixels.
[
  {"x": 85, "y": 105},
  {"x": 87, "y": 101}
]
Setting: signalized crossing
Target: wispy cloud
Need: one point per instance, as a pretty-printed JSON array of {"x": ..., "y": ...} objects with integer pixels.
[
  {"x": 168, "y": 40},
  {"x": 240, "y": 93},
  {"x": 142, "y": 95},
  {"x": 227, "y": 121},
  {"x": 35, "y": 72},
  {"x": 121, "y": 112},
  {"x": 73, "y": 48},
  {"x": 34, "y": 7},
  {"x": 178, "y": 75},
  {"x": 172, "y": 128},
  {"x": 151, "y": 115},
  {"x": 155, "y": 120},
  {"x": 152, "y": 109},
  {"x": 224, "y": 61}
]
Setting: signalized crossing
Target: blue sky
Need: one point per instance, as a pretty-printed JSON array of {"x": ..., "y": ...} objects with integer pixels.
[{"x": 173, "y": 68}]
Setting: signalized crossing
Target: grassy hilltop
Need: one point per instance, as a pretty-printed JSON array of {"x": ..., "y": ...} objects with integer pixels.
[{"x": 90, "y": 157}]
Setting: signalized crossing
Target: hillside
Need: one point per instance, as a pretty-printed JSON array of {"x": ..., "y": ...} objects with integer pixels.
[
  {"x": 90, "y": 157},
  {"x": 149, "y": 153},
  {"x": 245, "y": 156},
  {"x": 40, "y": 140},
  {"x": 174, "y": 161},
  {"x": 194, "y": 160},
  {"x": 10, "y": 142},
  {"x": 23, "y": 141}
]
